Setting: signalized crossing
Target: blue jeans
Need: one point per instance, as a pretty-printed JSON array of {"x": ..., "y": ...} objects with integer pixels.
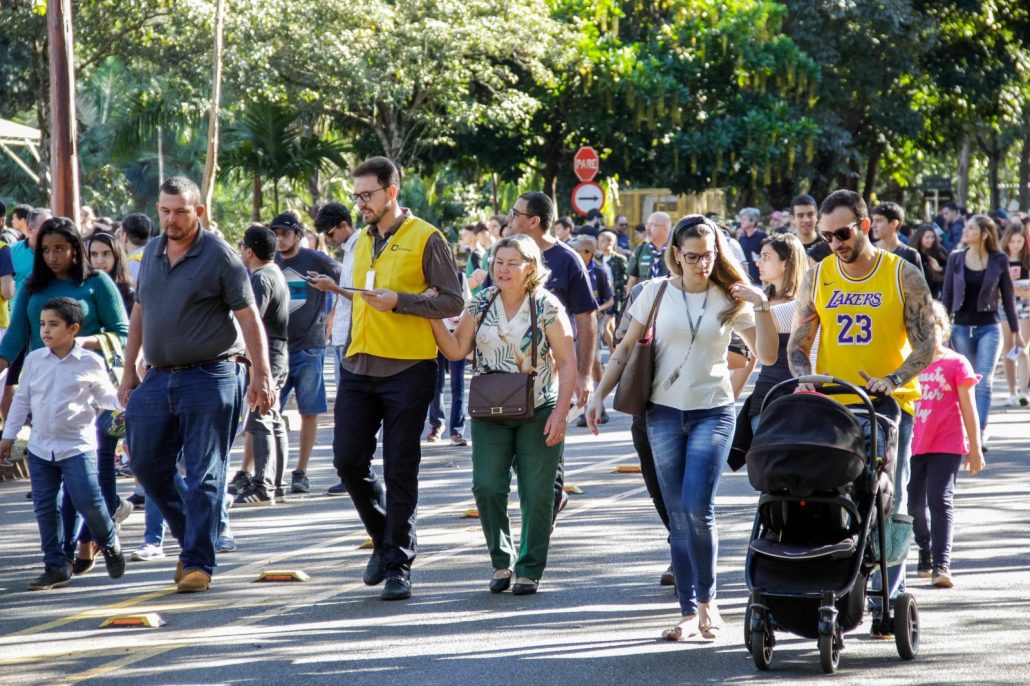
[
  {"x": 307, "y": 379},
  {"x": 194, "y": 412},
  {"x": 79, "y": 475},
  {"x": 153, "y": 521},
  {"x": 690, "y": 449},
  {"x": 106, "y": 446},
  {"x": 981, "y": 346},
  {"x": 456, "y": 425}
]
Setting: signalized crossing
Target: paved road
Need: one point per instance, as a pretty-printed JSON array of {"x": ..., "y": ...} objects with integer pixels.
[{"x": 596, "y": 619}]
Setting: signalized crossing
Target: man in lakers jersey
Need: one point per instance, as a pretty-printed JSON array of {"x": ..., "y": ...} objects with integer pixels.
[{"x": 872, "y": 310}]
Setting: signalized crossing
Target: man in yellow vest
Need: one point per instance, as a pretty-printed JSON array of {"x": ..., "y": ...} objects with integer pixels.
[
  {"x": 875, "y": 314},
  {"x": 388, "y": 375}
]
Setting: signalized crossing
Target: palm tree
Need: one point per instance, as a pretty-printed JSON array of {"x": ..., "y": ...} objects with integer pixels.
[{"x": 270, "y": 142}]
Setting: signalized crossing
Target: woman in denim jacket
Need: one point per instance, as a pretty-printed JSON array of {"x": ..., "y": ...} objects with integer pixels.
[{"x": 972, "y": 281}]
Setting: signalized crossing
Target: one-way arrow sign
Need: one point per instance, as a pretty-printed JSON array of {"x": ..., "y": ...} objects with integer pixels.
[{"x": 587, "y": 196}]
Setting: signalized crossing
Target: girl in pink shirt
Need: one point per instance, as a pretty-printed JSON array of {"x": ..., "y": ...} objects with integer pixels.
[{"x": 945, "y": 430}]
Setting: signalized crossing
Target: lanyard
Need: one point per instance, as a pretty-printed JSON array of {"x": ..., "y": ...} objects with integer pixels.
[{"x": 695, "y": 328}]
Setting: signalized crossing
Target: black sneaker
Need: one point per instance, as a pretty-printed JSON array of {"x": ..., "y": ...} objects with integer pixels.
[
  {"x": 239, "y": 483},
  {"x": 299, "y": 483},
  {"x": 280, "y": 495},
  {"x": 52, "y": 577},
  {"x": 254, "y": 496},
  {"x": 337, "y": 490},
  {"x": 138, "y": 501},
  {"x": 374, "y": 570},
  {"x": 942, "y": 577},
  {"x": 114, "y": 560},
  {"x": 925, "y": 566},
  {"x": 396, "y": 588}
]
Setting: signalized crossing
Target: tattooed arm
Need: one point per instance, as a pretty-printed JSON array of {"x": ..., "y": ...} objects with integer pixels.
[
  {"x": 804, "y": 329},
  {"x": 918, "y": 322}
]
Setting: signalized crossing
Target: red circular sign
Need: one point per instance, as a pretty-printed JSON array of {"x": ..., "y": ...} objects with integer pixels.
[
  {"x": 586, "y": 163},
  {"x": 587, "y": 196}
]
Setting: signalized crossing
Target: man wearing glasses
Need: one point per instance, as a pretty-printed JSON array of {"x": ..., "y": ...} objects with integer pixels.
[
  {"x": 874, "y": 311},
  {"x": 389, "y": 372},
  {"x": 648, "y": 260}
]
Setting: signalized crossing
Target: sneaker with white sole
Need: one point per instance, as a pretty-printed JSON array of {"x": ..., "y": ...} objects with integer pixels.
[
  {"x": 1012, "y": 401},
  {"x": 942, "y": 577},
  {"x": 255, "y": 496},
  {"x": 147, "y": 552},
  {"x": 122, "y": 512}
]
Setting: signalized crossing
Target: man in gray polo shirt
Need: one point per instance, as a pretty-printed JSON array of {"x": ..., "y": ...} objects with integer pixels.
[{"x": 193, "y": 319}]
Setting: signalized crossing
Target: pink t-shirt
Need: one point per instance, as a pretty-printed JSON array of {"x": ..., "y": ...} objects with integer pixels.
[{"x": 938, "y": 424}]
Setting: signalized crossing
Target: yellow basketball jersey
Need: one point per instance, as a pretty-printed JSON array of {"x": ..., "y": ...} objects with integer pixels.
[{"x": 862, "y": 324}]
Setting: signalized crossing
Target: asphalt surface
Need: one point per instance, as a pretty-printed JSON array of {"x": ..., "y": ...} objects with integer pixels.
[{"x": 596, "y": 619}]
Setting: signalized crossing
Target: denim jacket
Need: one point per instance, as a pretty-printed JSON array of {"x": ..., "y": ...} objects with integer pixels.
[{"x": 996, "y": 276}]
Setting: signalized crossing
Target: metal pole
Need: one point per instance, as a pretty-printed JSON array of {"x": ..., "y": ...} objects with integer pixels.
[{"x": 64, "y": 159}]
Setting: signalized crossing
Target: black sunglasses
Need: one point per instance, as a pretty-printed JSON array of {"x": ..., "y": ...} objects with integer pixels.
[{"x": 843, "y": 234}]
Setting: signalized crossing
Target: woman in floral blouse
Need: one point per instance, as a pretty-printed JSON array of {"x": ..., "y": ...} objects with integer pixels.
[{"x": 532, "y": 447}]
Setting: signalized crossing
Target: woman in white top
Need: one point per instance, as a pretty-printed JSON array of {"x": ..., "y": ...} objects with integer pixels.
[
  {"x": 690, "y": 420},
  {"x": 497, "y": 322},
  {"x": 781, "y": 265}
]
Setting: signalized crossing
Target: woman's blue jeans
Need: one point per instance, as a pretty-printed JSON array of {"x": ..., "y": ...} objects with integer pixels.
[
  {"x": 690, "y": 448},
  {"x": 981, "y": 346}
]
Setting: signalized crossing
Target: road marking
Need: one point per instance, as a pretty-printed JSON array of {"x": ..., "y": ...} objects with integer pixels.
[{"x": 256, "y": 567}]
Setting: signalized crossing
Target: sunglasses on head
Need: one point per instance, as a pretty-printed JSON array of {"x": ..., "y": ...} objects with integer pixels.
[{"x": 843, "y": 234}]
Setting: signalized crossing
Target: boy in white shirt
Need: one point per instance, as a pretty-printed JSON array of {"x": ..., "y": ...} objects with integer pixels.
[{"x": 59, "y": 386}]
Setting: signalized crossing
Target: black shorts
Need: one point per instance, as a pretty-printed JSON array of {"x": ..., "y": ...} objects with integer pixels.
[{"x": 14, "y": 370}]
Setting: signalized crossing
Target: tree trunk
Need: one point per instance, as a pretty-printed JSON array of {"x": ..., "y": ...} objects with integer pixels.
[
  {"x": 256, "y": 201},
  {"x": 993, "y": 174},
  {"x": 207, "y": 187},
  {"x": 275, "y": 195},
  {"x": 1024, "y": 175},
  {"x": 872, "y": 168},
  {"x": 64, "y": 157},
  {"x": 41, "y": 86},
  {"x": 962, "y": 187}
]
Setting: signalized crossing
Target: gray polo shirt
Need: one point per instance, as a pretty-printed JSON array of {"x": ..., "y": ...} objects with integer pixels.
[{"x": 187, "y": 308}]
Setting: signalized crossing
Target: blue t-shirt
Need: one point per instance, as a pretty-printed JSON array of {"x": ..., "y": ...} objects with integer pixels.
[
  {"x": 600, "y": 282},
  {"x": 752, "y": 246},
  {"x": 22, "y": 257},
  {"x": 569, "y": 280}
]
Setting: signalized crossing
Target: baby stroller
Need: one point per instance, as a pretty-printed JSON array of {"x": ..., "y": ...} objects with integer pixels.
[{"x": 819, "y": 531}]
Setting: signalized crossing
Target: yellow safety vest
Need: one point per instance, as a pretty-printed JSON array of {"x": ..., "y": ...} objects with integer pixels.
[
  {"x": 862, "y": 323},
  {"x": 398, "y": 268}
]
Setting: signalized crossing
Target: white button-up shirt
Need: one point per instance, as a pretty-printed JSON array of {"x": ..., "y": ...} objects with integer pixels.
[
  {"x": 59, "y": 392},
  {"x": 341, "y": 319}
]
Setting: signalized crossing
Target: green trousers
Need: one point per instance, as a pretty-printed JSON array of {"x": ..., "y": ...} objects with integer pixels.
[{"x": 497, "y": 447}]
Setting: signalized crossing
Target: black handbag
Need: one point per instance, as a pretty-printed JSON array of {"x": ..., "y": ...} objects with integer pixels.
[{"x": 502, "y": 396}]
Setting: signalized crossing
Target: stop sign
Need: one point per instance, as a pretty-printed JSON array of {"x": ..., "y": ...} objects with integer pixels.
[{"x": 586, "y": 163}]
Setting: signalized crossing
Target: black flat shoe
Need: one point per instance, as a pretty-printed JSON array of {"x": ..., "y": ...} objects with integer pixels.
[
  {"x": 397, "y": 588},
  {"x": 501, "y": 581},
  {"x": 374, "y": 571},
  {"x": 81, "y": 565},
  {"x": 524, "y": 586}
]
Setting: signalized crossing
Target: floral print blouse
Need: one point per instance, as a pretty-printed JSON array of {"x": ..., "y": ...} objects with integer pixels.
[{"x": 504, "y": 345}]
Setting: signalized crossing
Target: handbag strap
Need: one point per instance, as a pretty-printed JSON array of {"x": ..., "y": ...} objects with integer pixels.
[
  {"x": 652, "y": 317},
  {"x": 532, "y": 330}
]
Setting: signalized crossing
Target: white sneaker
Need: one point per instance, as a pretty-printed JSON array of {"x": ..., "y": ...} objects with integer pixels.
[
  {"x": 147, "y": 552},
  {"x": 1012, "y": 401},
  {"x": 121, "y": 513}
]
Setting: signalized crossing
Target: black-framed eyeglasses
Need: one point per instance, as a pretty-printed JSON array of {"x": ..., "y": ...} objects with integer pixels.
[
  {"x": 842, "y": 234},
  {"x": 366, "y": 197},
  {"x": 694, "y": 258},
  {"x": 512, "y": 213}
]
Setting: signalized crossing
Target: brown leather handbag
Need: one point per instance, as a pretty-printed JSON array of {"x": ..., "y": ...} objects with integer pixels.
[
  {"x": 634, "y": 389},
  {"x": 503, "y": 396}
]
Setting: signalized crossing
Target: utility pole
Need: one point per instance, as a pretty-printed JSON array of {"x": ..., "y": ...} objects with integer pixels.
[{"x": 64, "y": 156}]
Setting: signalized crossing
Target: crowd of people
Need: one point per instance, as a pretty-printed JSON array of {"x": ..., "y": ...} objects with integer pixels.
[{"x": 170, "y": 337}]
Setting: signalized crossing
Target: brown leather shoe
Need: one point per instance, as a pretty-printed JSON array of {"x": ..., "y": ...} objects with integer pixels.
[
  {"x": 178, "y": 572},
  {"x": 194, "y": 581}
]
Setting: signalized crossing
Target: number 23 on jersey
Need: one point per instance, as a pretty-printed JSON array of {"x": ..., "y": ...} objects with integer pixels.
[{"x": 854, "y": 329}]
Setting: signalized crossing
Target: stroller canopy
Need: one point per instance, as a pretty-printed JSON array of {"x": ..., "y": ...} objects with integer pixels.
[{"x": 806, "y": 442}]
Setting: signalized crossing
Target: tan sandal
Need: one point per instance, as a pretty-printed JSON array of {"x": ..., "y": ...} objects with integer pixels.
[
  {"x": 687, "y": 628},
  {"x": 710, "y": 623}
]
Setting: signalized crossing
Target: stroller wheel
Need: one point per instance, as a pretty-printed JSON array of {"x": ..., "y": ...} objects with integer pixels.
[
  {"x": 761, "y": 649},
  {"x": 829, "y": 650},
  {"x": 906, "y": 626},
  {"x": 747, "y": 627}
]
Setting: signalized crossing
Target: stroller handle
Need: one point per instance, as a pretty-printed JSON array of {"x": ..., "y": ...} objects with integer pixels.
[{"x": 841, "y": 387}]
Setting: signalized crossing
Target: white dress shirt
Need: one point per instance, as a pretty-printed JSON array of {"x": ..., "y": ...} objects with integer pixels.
[
  {"x": 341, "y": 320},
  {"x": 59, "y": 393}
]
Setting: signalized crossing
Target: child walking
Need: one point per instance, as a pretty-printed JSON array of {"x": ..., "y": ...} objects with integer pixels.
[
  {"x": 946, "y": 429},
  {"x": 60, "y": 383}
]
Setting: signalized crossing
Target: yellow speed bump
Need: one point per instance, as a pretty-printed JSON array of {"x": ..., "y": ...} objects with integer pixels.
[
  {"x": 572, "y": 488},
  {"x": 283, "y": 575},
  {"x": 369, "y": 544},
  {"x": 470, "y": 514},
  {"x": 149, "y": 620},
  {"x": 627, "y": 469}
]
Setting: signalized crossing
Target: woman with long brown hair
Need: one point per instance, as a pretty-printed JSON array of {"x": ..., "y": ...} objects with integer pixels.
[
  {"x": 1017, "y": 371},
  {"x": 973, "y": 279},
  {"x": 933, "y": 254},
  {"x": 690, "y": 419}
]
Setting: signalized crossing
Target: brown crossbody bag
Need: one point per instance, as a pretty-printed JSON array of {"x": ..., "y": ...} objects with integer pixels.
[{"x": 502, "y": 396}]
